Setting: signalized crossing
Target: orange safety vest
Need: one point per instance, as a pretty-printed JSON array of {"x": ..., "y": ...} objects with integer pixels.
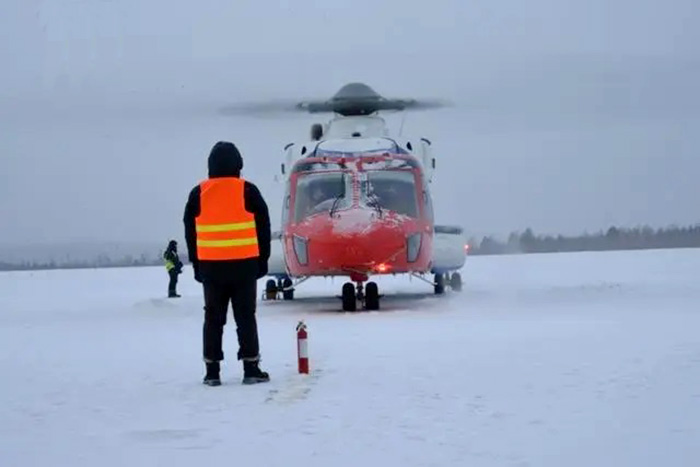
[{"x": 225, "y": 230}]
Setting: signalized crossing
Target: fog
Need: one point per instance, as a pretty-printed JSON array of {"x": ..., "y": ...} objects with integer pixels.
[{"x": 568, "y": 115}]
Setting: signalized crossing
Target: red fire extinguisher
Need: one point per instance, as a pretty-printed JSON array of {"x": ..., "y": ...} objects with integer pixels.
[{"x": 302, "y": 348}]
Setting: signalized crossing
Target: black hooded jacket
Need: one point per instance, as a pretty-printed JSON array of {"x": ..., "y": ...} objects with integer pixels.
[{"x": 226, "y": 161}]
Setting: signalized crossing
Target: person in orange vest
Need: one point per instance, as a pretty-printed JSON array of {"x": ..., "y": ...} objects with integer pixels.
[{"x": 227, "y": 230}]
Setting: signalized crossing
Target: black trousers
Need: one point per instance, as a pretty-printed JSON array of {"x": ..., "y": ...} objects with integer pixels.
[
  {"x": 172, "y": 285},
  {"x": 242, "y": 295}
]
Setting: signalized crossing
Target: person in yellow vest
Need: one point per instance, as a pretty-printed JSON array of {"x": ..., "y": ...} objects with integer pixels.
[
  {"x": 173, "y": 266},
  {"x": 227, "y": 230}
]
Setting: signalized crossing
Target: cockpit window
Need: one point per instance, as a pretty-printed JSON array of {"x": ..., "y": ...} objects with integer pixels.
[
  {"x": 391, "y": 190},
  {"x": 321, "y": 192}
]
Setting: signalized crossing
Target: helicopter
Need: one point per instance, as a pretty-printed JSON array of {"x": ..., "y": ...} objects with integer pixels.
[{"x": 357, "y": 204}]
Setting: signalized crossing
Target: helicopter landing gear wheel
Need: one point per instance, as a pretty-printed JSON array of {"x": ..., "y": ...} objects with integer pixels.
[
  {"x": 348, "y": 297},
  {"x": 439, "y": 284},
  {"x": 456, "y": 282},
  {"x": 287, "y": 291},
  {"x": 372, "y": 296},
  {"x": 271, "y": 290}
]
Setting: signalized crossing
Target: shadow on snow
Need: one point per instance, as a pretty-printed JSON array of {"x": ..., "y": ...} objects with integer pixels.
[{"x": 391, "y": 302}]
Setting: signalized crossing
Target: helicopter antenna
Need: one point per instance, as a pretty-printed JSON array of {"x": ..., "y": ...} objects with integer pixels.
[{"x": 403, "y": 120}]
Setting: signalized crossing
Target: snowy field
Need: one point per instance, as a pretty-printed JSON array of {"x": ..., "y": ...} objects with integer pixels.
[{"x": 588, "y": 359}]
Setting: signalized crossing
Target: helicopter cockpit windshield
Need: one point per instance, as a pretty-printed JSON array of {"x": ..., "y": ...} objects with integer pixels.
[
  {"x": 321, "y": 192},
  {"x": 391, "y": 190}
]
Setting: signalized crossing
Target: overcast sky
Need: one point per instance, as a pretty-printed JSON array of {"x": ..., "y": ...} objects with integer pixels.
[{"x": 570, "y": 116}]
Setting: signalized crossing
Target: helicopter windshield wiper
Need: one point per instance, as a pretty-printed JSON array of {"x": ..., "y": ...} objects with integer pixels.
[
  {"x": 373, "y": 200},
  {"x": 340, "y": 196},
  {"x": 374, "y": 203}
]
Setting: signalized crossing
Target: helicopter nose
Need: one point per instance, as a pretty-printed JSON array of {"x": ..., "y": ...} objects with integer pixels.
[{"x": 365, "y": 238}]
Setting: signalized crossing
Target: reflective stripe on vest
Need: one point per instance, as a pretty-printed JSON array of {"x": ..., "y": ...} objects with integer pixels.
[{"x": 225, "y": 230}]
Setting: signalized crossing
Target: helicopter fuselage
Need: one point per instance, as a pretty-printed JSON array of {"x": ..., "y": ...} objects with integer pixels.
[{"x": 357, "y": 203}]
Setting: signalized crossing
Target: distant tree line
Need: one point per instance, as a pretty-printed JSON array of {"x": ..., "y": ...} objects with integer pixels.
[
  {"x": 614, "y": 238},
  {"x": 638, "y": 238},
  {"x": 101, "y": 261}
]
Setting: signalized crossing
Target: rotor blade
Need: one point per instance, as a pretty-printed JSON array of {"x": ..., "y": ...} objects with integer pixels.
[
  {"x": 274, "y": 106},
  {"x": 343, "y": 106},
  {"x": 425, "y": 104}
]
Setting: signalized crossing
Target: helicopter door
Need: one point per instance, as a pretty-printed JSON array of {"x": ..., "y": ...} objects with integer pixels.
[
  {"x": 428, "y": 203},
  {"x": 286, "y": 204}
]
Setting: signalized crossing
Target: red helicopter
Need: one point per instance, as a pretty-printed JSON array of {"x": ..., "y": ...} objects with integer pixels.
[{"x": 357, "y": 204}]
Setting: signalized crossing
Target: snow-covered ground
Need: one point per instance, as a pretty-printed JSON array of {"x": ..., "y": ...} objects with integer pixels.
[{"x": 589, "y": 359}]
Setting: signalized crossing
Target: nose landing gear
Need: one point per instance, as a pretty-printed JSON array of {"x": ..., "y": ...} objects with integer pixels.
[{"x": 368, "y": 295}]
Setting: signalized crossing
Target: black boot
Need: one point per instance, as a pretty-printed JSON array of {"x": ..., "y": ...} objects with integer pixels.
[
  {"x": 212, "y": 377},
  {"x": 252, "y": 373}
]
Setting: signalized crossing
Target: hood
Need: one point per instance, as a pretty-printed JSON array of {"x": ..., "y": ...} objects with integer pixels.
[{"x": 225, "y": 160}]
